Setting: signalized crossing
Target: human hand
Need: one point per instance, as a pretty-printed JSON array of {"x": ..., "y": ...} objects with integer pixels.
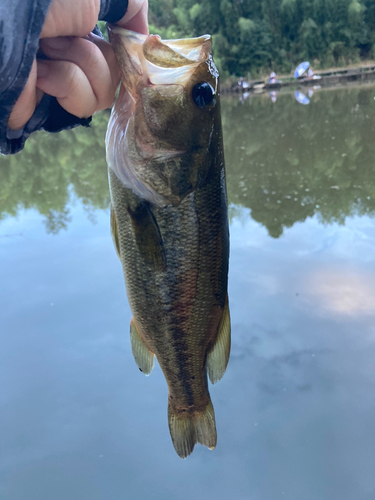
[{"x": 81, "y": 70}]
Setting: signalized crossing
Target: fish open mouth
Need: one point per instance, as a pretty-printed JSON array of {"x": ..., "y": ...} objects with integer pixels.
[
  {"x": 156, "y": 61},
  {"x": 151, "y": 150}
]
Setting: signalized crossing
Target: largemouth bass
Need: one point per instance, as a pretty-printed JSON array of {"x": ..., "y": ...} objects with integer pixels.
[{"x": 169, "y": 220}]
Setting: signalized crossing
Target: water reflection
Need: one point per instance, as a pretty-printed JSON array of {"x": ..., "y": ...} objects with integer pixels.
[
  {"x": 52, "y": 168},
  {"x": 301, "y": 98},
  {"x": 273, "y": 95},
  {"x": 285, "y": 164},
  {"x": 293, "y": 162},
  {"x": 295, "y": 410}
]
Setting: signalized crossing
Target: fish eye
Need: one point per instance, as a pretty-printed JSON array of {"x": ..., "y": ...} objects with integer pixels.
[{"x": 203, "y": 94}]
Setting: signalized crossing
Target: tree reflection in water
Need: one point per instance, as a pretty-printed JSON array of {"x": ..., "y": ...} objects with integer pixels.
[
  {"x": 285, "y": 162},
  {"x": 54, "y": 167}
]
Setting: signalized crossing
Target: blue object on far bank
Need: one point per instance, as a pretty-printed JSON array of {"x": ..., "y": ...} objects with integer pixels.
[
  {"x": 301, "y": 98},
  {"x": 301, "y": 68}
]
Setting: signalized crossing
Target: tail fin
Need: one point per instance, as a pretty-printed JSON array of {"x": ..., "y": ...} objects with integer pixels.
[{"x": 188, "y": 429}]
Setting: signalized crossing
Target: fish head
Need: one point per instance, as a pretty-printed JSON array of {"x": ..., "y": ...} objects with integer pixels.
[{"x": 173, "y": 109}]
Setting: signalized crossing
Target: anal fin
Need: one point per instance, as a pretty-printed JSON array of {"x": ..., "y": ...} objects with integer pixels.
[
  {"x": 142, "y": 355},
  {"x": 218, "y": 357}
]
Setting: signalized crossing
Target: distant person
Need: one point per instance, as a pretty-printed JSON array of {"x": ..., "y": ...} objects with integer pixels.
[
  {"x": 241, "y": 82},
  {"x": 272, "y": 78},
  {"x": 56, "y": 69},
  {"x": 310, "y": 74}
]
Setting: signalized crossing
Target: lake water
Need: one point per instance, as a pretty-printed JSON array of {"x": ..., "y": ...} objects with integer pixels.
[{"x": 295, "y": 410}]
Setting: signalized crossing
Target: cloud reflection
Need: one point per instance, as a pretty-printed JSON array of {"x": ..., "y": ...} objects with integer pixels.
[{"x": 343, "y": 291}]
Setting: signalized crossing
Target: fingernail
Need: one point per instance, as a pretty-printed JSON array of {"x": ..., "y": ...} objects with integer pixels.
[
  {"x": 42, "y": 69},
  {"x": 58, "y": 43}
]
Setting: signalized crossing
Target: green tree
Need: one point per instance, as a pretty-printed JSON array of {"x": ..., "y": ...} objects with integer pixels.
[{"x": 263, "y": 34}]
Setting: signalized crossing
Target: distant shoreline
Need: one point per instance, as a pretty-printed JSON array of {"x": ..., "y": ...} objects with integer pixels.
[
  {"x": 289, "y": 90},
  {"x": 323, "y": 78}
]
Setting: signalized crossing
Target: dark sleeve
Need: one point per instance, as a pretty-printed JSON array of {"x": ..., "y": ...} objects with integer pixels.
[{"x": 21, "y": 23}]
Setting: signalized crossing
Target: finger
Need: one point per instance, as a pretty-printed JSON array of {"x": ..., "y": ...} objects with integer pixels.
[
  {"x": 135, "y": 18},
  {"x": 71, "y": 18},
  {"x": 69, "y": 84},
  {"x": 96, "y": 60},
  {"x": 109, "y": 55},
  {"x": 26, "y": 103}
]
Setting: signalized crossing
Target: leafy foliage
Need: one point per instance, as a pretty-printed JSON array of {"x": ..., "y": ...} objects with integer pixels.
[{"x": 250, "y": 35}]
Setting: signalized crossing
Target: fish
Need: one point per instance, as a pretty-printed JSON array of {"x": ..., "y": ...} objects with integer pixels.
[{"x": 169, "y": 220}]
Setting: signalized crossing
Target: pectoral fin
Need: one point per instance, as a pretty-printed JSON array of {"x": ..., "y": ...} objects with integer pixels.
[
  {"x": 147, "y": 236},
  {"x": 142, "y": 355},
  {"x": 114, "y": 232},
  {"x": 218, "y": 357}
]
